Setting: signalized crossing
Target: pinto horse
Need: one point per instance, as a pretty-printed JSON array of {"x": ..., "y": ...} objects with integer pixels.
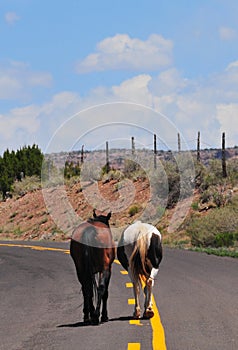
[
  {"x": 93, "y": 251},
  {"x": 140, "y": 253}
]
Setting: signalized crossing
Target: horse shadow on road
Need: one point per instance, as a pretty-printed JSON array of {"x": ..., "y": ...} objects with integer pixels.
[{"x": 84, "y": 324}]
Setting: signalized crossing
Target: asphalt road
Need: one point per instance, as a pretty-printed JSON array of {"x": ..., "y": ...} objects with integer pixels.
[{"x": 41, "y": 304}]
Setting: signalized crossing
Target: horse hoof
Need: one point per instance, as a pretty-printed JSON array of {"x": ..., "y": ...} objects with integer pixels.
[
  {"x": 104, "y": 319},
  {"x": 87, "y": 321},
  {"x": 95, "y": 321},
  {"x": 149, "y": 313},
  {"x": 136, "y": 315}
]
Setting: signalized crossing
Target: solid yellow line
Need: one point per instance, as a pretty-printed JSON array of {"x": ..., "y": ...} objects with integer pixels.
[
  {"x": 34, "y": 247},
  {"x": 133, "y": 346},
  {"x": 158, "y": 329},
  {"x": 158, "y": 336}
]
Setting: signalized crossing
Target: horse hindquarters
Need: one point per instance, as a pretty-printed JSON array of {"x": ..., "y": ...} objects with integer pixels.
[{"x": 85, "y": 277}]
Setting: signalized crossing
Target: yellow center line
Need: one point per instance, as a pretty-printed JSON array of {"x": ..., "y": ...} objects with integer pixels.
[
  {"x": 136, "y": 322},
  {"x": 117, "y": 262},
  {"x": 129, "y": 285},
  {"x": 34, "y": 247},
  {"x": 133, "y": 346},
  {"x": 158, "y": 329},
  {"x": 158, "y": 335}
]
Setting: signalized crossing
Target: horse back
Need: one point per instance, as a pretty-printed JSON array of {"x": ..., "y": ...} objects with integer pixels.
[{"x": 93, "y": 241}]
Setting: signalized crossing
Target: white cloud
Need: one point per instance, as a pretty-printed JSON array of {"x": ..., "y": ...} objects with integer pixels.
[
  {"x": 168, "y": 81},
  {"x": 227, "y": 117},
  {"x": 135, "y": 89},
  {"x": 19, "y": 127},
  {"x": 11, "y": 17},
  {"x": 232, "y": 65},
  {"x": 209, "y": 106},
  {"x": 123, "y": 52},
  {"x": 17, "y": 80},
  {"x": 227, "y": 33}
]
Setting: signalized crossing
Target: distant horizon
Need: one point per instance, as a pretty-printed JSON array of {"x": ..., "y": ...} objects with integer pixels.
[{"x": 122, "y": 149}]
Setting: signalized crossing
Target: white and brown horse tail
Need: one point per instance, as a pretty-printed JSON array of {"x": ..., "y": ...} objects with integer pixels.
[{"x": 138, "y": 259}]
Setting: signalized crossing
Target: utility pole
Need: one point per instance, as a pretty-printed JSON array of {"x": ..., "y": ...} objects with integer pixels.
[
  {"x": 224, "y": 172},
  {"x": 155, "y": 151},
  {"x": 82, "y": 154},
  {"x": 107, "y": 158},
  {"x": 133, "y": 145},
  {"x": 198, "y": 147},
  {"x": 179, "y": 143}
]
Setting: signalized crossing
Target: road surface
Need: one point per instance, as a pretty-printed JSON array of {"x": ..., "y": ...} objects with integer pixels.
[{"x": 41, "y": 304}]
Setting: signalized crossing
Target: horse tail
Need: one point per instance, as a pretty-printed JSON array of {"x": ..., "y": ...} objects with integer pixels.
[
  {"x": 88, "y": 244},
  {"x": 138, "y": 259}
]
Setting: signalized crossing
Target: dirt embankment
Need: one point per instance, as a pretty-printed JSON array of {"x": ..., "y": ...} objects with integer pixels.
[{"x": 29, "y": 217}]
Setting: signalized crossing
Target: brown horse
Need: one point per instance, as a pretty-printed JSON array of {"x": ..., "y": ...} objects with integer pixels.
[
  {"x": 93, "y": 251},
  {"x": 140, "y": 253}
]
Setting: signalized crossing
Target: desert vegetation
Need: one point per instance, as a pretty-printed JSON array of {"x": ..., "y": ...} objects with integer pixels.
[{"x": 211, "y": 223}]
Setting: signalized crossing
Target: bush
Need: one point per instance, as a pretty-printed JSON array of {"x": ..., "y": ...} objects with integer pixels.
[
  {"x": 224, "y": 240},
  {"x": 28, "y": 184},
  {"x": 133, "y": 210},
  {"x": 218, "y": 227}
]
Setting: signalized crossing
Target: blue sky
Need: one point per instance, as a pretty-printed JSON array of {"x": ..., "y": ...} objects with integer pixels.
[{"x": 173, "y": 60}]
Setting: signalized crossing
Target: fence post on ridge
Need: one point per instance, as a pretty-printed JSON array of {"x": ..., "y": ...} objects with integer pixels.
[
  {"x": 198, "y": 147},
  {"x": 107, "y": 158},
  {"x": 133, "y": 145},
  {"x": 224, "y": 172},
  {"x": 179, "y": 143},
  {"x": 155, "y": 151}
]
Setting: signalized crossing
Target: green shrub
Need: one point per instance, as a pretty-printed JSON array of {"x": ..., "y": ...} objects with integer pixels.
[
  {"x": 28, "y": 184},
  {"x": 195, "y": 205},
  {"x": 133, "y": 210},
  {"x": 218, "y": 226},
  {"x": 224, "y": 240}
]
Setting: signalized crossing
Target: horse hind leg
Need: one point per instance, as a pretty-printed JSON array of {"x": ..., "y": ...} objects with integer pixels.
[
  {"x": 88, "y": 308},
  {"x": 148, "y": 312},
  {"x": 136, "y": 289},
  {"x": 104, "y": 317},
  {"x": 102, "y": 296}
]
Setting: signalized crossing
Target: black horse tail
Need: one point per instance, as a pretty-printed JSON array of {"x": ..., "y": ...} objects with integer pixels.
[{"x": 88, "y": 241}]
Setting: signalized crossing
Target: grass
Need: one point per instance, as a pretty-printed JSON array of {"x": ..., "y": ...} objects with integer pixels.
[{"x": 217, "y": 251}]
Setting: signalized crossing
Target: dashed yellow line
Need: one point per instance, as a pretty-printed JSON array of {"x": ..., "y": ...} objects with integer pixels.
[
  {"x": 131, "y": 301},
  {"x": 133, "y": 346},
  {"x": 129, "y": 285},
  {"x": 124, "y": 272},
  {"x": 136, "y": 322},
  {"x": 117, "y": 262}
]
